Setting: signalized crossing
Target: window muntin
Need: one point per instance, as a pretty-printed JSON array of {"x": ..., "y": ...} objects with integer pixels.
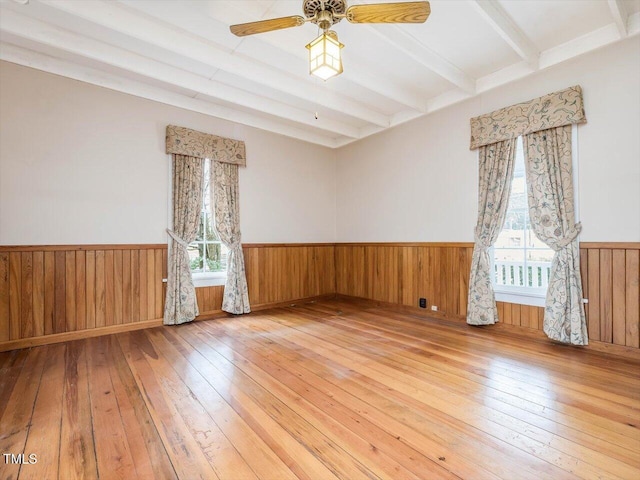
[
  {"x": 521, "y": 262},
  {"x": 207, "y": 254}
]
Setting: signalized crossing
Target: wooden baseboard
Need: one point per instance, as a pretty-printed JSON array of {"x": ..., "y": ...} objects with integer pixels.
[
  {"x": 96, "y": 332},
  {"x": 291, "y": 303},
  {"x": 77, "y": 335},
  {"x": 421, "y": 312},
  {"x": 594, "y": 345},
  {"x": 265, "y": 306},
  {"x": 499, "y": 328}
]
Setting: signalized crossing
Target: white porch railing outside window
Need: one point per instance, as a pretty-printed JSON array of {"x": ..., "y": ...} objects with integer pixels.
[{"x": 517, "y": 274}]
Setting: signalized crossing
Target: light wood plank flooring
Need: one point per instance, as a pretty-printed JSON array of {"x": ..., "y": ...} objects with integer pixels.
[{"x": 329, "y": 390}]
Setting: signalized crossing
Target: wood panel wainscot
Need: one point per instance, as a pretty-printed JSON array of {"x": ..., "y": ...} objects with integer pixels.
[
  {"x": 401, "y": 273},
  {"x": 279, "y": 274},
  {"x": 55, "y": 293},
  {"x": 63, "y": 292}
]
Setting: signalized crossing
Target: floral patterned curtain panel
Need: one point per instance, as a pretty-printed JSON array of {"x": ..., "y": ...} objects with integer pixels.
[
  {"x": 181, "y": 305},
  {"x": 554, "y": 110},
  {"x": 545, "y": 124},
  {"x": 189, "y": 148},
  {"x": 548, "y": 164},
  {"x": 495, "y": 176},
  {"x": 224, "y": 191}
]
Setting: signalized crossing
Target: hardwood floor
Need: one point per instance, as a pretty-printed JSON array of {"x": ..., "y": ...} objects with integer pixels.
[{"x": 318, "y": 391}]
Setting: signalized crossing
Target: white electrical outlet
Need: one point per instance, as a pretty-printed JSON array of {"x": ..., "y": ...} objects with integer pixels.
[{"x": 434, "y": 308}]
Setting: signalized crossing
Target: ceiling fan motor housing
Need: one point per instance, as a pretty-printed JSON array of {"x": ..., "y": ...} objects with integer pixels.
[{"x": 323, "y": 12}]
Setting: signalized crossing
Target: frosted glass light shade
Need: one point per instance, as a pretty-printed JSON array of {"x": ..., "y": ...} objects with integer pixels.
[{"x": 324, "y": 56}]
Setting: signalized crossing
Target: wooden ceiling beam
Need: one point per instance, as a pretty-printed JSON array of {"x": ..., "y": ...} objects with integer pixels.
[
  {"x": 426, "y": 57},
  {"x": 121, "y": 19},
  {"x": 34, "y": 30},
  {"x": 46, "y": 63},
  {"x": 620, "y": 16},
  {"x": 504, "y": 26},
  {"x": 358, "y": 75}
]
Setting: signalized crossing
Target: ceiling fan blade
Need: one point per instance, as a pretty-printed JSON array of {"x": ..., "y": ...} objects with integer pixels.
[
  {"x": 404, "y": 12},
  {"x": 262, "y": 26}
]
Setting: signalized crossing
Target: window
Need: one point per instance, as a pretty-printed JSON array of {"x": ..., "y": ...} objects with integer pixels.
[
  {"x": 207, "y": 255},
  {"x": 521, "y": 262}
]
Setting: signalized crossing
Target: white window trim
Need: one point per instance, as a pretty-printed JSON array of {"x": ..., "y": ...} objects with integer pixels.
[
  {"x": 209, "y": 279},
  {"x": 522, "y": 296},
  {"x": 530, "y": 296}
]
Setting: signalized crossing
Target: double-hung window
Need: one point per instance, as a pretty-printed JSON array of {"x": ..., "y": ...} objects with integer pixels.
[
  {"x": 207, "y": 255},
  {"x": 521, "y": 262}
]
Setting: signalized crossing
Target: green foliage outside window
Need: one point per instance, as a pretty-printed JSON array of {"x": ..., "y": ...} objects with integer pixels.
[{"x": 206, "y": 248}]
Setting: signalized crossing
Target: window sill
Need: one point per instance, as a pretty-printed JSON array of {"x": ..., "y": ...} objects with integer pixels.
[
  {"x": 209, "y": 280},
  {"x": 522, "y": 298}
]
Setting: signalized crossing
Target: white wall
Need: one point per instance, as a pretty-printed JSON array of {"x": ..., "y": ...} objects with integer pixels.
[
  {"x": 288, "y": 194},
  {"x": 418, "y": 182},
  {"x": 83, "y": 164}
]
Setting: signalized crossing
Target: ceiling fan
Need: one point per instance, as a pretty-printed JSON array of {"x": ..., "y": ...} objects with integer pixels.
[{"x": 324, "y": 51}]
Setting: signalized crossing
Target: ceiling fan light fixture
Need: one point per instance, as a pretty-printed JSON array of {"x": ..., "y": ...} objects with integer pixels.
[
  {"x": 325, "y": 59},
  {"x": 324, "y": 52}
]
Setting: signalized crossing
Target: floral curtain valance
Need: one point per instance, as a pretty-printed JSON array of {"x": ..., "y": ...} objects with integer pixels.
[
  {"x": 184, "y": 141},
  {"x": 553, "y": 110}
]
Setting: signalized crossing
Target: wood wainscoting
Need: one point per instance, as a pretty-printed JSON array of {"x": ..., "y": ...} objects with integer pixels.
[
  {"x": 401, "y": 273},
  {"x": 277, "y": 274},
  {"x": 611, "y": 283},
  {"x": 63, "y": 292},
  {"x": 55, "y": 293},
  {"x": 610, "y": 279}
]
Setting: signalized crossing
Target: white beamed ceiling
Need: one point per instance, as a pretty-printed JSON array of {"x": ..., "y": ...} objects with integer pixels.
[{"x": 181, "y": 52}]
